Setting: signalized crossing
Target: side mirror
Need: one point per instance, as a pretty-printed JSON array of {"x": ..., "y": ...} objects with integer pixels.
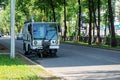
[{"x": 30, "y": 28}]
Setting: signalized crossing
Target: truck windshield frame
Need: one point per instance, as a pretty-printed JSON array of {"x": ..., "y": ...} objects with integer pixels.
[{"x": 45, "y": 31}]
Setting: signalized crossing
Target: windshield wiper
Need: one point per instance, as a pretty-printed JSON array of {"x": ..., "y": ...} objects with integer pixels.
[{"x": 52, "y": 36}]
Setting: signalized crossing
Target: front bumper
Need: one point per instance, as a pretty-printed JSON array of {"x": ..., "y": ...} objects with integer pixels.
[{"x": 41, "y": 47}]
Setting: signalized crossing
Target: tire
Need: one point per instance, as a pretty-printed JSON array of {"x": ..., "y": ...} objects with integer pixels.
[
  {"x": 53, "y": 53},
  {"x": 23, "y": 46},
  {"x": 26, "y": 52},
  {"x": 29, "y": 49},
  {"x": 40, "y": 55}
]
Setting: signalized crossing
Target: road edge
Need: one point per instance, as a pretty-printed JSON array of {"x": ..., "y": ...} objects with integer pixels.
[{"x": 33, "y": 62}]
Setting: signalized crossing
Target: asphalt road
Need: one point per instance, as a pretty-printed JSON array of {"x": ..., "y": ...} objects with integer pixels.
[{"x": 78, "y": 62}]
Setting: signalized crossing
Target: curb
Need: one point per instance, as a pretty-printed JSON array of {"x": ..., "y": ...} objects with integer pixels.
[
  {"x": 32, "y": 62},
  {"x": 4, "y": 52},
  {"x": 52, "y": 74},
  {"x": 92, "y": 46}
]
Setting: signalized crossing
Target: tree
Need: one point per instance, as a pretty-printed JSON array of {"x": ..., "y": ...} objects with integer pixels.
[
  {"x": 111, "y": 20},
  {"x": 90, "y": 22},
  {"x": 64, "y": 12},
  {"x": 53, "y": 10},
  {"x": 65, "y": 26},
  {"x": 98, "y": 27},
  {"x": 23, "y": 13},
  {"x": 79, "y": 19}
]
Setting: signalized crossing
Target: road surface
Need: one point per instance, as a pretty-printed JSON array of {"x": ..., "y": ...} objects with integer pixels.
[{"x": 78, "y": 62}]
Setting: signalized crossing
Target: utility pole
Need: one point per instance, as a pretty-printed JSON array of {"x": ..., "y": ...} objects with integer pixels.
[{"x": 12, "y": 24}]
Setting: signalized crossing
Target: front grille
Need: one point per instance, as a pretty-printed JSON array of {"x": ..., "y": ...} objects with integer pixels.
[{"x": 45, "y": 44}]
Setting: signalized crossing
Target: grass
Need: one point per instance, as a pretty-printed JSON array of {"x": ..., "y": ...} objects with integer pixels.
[
  {"x": 17, "y": 69},
  {"x": 93, "y": 45}
]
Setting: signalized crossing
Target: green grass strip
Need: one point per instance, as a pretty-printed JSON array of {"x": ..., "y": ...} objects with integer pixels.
[
  {"x": 93, "y": 45},
  {"x": 16, "y": 69}
]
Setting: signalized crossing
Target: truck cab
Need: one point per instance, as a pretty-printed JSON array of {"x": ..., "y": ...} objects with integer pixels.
[{"x": 41, "y": 38}]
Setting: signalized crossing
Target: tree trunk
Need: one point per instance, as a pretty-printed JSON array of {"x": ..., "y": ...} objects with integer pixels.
[
  {"x": 65, "y": 26},
  {"x": 98, "y": 27},
  {"x": 90, "y": 22},
  {"x": 94, "y": 20},
  {"x": 93, "y": 31},
  {"x": 105, "y": 28},
  {"x": 79, "y": 20},
  {"x": 111, "y": 20},
  {"x": 50, "y": 17},
  {"x": 106, "y": 23},
  {"x": 53, "y": 11}
]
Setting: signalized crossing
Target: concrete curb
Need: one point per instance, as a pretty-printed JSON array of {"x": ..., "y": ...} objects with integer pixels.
[
  {"x": 52, "y": 74},
  {"x": 3, "y": 53},
  {"x": 92, "y": 46},
  {"x": 32, "y": 62}
]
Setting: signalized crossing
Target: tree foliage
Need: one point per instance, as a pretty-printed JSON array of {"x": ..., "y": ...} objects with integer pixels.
[{"x": 70, "y": 13}]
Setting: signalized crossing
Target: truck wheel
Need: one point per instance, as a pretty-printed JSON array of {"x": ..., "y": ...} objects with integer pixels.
[
  {"x": 26, "y": 52},
  {"x": 29, "y": 49},
  {"x": 23, "y": 46},
  {"x": 40, "y": 55},
  {"x": 53, "y": 53}
]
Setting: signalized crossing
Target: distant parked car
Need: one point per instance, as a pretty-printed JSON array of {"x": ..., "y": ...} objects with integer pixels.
[
  {"x": 19, "y": 36},
  {"x": 1, "y": 34}
]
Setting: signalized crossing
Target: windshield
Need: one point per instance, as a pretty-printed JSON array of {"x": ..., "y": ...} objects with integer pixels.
[
  {"x": 38, "y": 31},
  {"x": 45, "y": 31},
  {"x": 51, "y": 32}
]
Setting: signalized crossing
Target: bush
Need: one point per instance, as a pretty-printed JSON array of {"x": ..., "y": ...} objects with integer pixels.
[
  {"x": 118, "y": 40},
  {"x": 108, "y": 40}
]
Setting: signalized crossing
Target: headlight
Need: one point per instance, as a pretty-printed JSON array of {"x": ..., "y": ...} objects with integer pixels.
[
  {"x": 35, "y": 43},
  {"x": 54, "y": 42}
]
